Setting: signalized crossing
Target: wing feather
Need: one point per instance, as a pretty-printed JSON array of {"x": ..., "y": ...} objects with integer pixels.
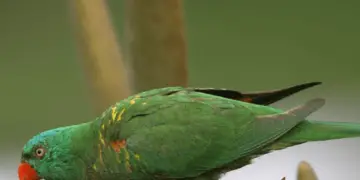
[{"x": 187, "y": 134}]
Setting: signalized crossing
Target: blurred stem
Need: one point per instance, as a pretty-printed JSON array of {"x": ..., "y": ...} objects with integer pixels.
[
  {"x": 101, "y": 57},
  {"x": 305, "y": 172},
  {"x": 156, "y": 43}
]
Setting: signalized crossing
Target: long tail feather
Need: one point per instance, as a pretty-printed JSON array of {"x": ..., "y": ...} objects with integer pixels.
[{"x": 308, "y": 131}]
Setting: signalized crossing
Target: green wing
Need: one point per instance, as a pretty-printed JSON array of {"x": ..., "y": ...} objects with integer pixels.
[{"x": 188, "y": 133}]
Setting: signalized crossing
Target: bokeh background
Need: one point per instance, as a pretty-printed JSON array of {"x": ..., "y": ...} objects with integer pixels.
[{"x": 243, "y": 45}]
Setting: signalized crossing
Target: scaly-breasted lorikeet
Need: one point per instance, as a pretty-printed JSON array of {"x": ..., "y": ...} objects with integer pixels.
[{"x": 173, "y": 133}]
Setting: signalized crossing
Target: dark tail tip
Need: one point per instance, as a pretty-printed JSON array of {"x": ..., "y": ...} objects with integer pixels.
[
  {"x": 269, "y": 97},
  {"x": 307, "y": 85}
]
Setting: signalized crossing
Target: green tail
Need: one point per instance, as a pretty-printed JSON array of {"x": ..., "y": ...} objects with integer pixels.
[{"x": 308, "y": 131}]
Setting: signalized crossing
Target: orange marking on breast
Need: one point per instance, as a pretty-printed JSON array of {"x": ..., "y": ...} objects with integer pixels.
[{"x": 117, "y": 145}]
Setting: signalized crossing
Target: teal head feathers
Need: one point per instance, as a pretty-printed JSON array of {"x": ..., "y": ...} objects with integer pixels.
[{"x": 50, "y": 155}]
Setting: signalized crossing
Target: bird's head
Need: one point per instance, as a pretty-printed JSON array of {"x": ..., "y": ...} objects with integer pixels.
[{"x": 50, "y": 156}]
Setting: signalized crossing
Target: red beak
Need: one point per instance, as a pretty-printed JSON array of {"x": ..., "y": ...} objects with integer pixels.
[{"x": 26, "y": 172}]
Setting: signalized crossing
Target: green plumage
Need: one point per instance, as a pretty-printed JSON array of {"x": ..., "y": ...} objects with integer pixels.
[{"x": 176, "y": 133}]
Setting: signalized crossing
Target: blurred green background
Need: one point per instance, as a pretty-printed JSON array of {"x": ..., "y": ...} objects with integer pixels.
[{"x": 244, "y": 45}]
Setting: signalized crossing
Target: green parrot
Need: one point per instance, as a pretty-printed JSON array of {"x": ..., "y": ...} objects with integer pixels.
[{"x": 173, "y": 133}]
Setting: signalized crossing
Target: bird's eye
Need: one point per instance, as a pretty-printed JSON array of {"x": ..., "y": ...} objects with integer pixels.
[{"x": 39, "y": 152}]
